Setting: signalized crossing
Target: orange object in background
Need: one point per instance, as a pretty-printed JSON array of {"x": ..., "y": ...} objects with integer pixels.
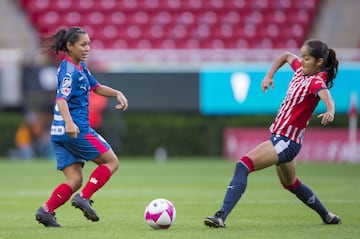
[{"x": 29, "y": 130}]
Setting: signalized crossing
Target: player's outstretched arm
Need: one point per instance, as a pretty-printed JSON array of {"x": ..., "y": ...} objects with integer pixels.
[
  {"x": 286, "y": 57},
  {"x": 110, "y": 92}
]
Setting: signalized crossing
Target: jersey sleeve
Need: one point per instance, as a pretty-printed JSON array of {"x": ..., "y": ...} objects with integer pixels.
[
  {"x": 295, "y": 64},
  {"x": 65, "y": 85},
  {"x": 317, "y": 84}
]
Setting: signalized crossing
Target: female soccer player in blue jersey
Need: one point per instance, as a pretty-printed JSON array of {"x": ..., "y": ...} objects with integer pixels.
[
  {"x": 73, "y": 140},
  {"x": 314, "y": 73}
]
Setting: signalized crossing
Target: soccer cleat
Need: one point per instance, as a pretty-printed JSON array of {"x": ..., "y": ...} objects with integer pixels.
[
  {"x": 48, "y": 219},
  {"x": 214, "y": 221},
  {"x": 85, "y": 206},
  {"x": 332, "y": 219}
]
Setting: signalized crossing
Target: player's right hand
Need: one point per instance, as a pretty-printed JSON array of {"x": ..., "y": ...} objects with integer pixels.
[
  {"x": 123, "y": 102},
  {"x": 266, "y": 83},
  {"x": 72, "y": 129}
]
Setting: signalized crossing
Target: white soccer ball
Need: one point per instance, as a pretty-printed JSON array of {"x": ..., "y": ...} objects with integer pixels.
[{"x": 160, "y": 213}]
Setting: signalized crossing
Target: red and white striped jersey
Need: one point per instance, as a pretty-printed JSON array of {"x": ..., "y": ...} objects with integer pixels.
[{"x": 299, "y": 104}]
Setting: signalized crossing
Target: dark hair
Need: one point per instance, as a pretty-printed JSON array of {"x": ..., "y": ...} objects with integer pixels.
[
  {"x": 57, "y": 42},
  {"x": 319, "y": 49}
]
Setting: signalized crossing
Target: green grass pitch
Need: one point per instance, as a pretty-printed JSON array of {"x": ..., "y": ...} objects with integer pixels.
[{"x": 196, "y": 186}]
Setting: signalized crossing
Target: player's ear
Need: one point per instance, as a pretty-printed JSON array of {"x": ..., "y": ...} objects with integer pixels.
[
  {"x": 69, "y": 46},
  {"x": 320, "y": 62}
]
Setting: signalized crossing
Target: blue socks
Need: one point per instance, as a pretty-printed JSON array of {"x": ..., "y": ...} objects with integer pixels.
[
  {"x": 238, "y": 185},
  {"x": 235, "y": 190},
  {"x": 306, "y": 195}
]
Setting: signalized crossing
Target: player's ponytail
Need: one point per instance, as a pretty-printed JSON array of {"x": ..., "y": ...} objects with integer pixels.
[
  {"x": 319, "y": 49},
  {"x": 331, "y": 66},
  {"x": 57, "y": 42}
]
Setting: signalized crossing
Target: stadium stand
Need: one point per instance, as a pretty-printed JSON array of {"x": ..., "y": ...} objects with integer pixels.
[{"x": 175, "y": 24}]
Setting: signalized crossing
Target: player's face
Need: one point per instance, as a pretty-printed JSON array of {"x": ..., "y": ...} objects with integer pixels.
[
  {"x": 309, "y": 64},
  {"x": 79, "y": 50}
]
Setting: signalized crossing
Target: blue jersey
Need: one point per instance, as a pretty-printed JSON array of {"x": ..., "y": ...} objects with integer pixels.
[{"x": 74, "y": 85}]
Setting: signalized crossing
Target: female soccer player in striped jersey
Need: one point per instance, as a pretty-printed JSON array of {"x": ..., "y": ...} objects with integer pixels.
[
  {"x": 73, "y": 140},
  {"x": 314, "y": 73}
]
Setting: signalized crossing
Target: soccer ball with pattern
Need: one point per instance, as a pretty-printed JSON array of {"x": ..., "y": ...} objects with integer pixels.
[{"x": 160, "y": 213}]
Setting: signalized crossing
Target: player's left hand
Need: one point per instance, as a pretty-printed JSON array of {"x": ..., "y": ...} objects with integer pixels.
[
  {"x": 326, "y": 118},
  {"x": 123, "y": 102}
]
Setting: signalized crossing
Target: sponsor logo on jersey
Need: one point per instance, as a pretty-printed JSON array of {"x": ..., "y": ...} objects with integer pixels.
[
  {"x": 66, "y": 86},
  {"x": 57, "y": 130}
]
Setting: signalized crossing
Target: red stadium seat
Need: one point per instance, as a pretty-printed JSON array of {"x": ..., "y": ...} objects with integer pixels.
[
  {"x": 94, "y": 18},
  {"x": 236, "y": 4},
  {"x": 47, "y": 21},
  {"x": 240, "y": 43},
  {"x": 230, "y": 17},
  {"x": 84, "y": 5},
  {"x": 208, "y": 17},
  {"x": 161, "y": 17},
  {"x": 105, "y": 5},
  {"x": 115, "y": 18},
  {"x": 72, "y": 18}
]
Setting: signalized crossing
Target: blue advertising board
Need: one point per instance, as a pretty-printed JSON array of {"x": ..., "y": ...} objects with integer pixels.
[{"x": 228, "y": 90}]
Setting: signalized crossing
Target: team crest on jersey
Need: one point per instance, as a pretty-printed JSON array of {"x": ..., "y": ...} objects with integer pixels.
[{"x": 66, "y": 86}]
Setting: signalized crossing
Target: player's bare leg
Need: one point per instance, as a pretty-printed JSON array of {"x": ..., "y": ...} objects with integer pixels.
[
  {"x": 287, "y": 175},
  {"x": 258, "y": 158}
]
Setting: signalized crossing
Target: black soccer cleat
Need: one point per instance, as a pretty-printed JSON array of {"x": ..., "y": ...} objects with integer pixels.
[
  {"x": 214, "y": 221},
  {"x": 48, "y": 219},
  {"x": 84, "y": 205},
  {"x": 331, "y": 219}
]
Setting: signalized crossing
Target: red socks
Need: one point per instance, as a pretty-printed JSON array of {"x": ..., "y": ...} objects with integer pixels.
[
  {"x": 97, "y": 179},
  {"x": 248, "y": 163},
  {"x": 63, "y": 192},
  {"x": 59, "y": 196},
  {"x": 292, "y": 187}
]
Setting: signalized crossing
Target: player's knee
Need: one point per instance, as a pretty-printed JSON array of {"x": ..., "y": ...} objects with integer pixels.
[
  {"x": 75, "y": 182},
  {"x": 291, "y": 186},
  {"x": 116, "y": 165},
  {"x": 112, "y": 164},
  {"x": 247, "y": 163}
]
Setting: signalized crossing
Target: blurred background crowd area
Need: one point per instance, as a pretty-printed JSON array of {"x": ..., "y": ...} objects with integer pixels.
[
  {"x": 164, "y": 55},
  {"x": 194, "y": 28}
]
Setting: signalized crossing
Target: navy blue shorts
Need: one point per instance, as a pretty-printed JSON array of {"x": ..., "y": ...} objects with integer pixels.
[
  {"x": 285, "y": 148},
  {"x": 87, "y": 146}
]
